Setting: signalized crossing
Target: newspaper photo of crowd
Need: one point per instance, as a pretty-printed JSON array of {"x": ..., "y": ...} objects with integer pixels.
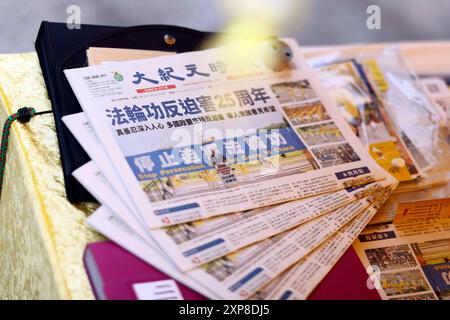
[
  {"x": 391, "y": 258},
  {"x": 297, "y": 91},
  {"x": 320, "y": 133},
  {"x": 333, "y": 155},
  {"x": 425, "y": 296},
  {"x": 308, "y": 112},
  {"x": 404, "y": 282}
]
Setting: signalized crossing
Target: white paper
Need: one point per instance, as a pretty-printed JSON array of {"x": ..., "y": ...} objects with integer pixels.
[{"x": 157, "y": 290}]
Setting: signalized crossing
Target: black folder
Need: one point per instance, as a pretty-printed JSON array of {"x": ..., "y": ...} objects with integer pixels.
[{"x": 59, "y": 48}]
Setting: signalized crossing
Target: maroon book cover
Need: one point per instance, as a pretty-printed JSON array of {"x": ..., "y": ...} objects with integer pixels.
[
  {"x": 112, "y": 272},
  {"x": 346, "y": 281}
]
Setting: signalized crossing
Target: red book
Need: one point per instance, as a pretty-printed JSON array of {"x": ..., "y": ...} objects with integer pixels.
[{"x": 112, "y": 272}]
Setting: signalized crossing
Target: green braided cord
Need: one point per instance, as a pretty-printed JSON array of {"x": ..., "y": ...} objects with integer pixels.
[{"x": 5, "y": 140}]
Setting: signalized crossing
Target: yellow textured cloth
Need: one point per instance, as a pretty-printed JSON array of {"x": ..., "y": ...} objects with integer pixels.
[{"x": 42, "y": 235}]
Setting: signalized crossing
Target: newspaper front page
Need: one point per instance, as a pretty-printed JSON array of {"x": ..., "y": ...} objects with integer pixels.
[{"x": 243, "y": 151}]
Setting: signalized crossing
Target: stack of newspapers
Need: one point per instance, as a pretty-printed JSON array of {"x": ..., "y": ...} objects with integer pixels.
[{"x": 237, "y": 178}]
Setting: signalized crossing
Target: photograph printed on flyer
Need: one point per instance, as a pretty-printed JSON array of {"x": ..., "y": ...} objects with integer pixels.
[{"x": 409, "y": 259}]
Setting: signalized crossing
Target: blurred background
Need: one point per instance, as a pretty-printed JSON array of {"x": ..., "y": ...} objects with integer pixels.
[{"x": 311, "y": 22}]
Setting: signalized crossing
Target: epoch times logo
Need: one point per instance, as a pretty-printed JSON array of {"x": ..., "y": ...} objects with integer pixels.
[{"x": 118, "y": 77}]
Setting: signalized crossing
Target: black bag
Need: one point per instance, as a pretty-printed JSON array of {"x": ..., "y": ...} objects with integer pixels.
[{"x": 59, "y": 48}]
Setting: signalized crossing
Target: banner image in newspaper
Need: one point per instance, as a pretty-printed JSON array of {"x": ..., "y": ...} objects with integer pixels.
[
  {"x": 243, "y": 151},
  {"x": 244, "y": 272},
  {"x": 409, "y": 258},
  {"x": 299, "y": 281}
]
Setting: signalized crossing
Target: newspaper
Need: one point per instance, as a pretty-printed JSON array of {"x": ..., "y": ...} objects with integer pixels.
[
  {"x": 107, "y": 232},
  {"x": 195, "y": 243},
  {"x": 243, "y": 152},
  {"x": 409, "y": 258},
  {"x": 224, "y": 264}
]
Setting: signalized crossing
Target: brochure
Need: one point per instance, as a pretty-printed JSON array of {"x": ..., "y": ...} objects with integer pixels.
[{"x": 408, "y": 259}]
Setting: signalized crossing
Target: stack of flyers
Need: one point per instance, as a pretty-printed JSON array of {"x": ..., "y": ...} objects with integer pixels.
[
  {"x": 203, "y": 169},
  {"x": 348, "y": 85}
]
